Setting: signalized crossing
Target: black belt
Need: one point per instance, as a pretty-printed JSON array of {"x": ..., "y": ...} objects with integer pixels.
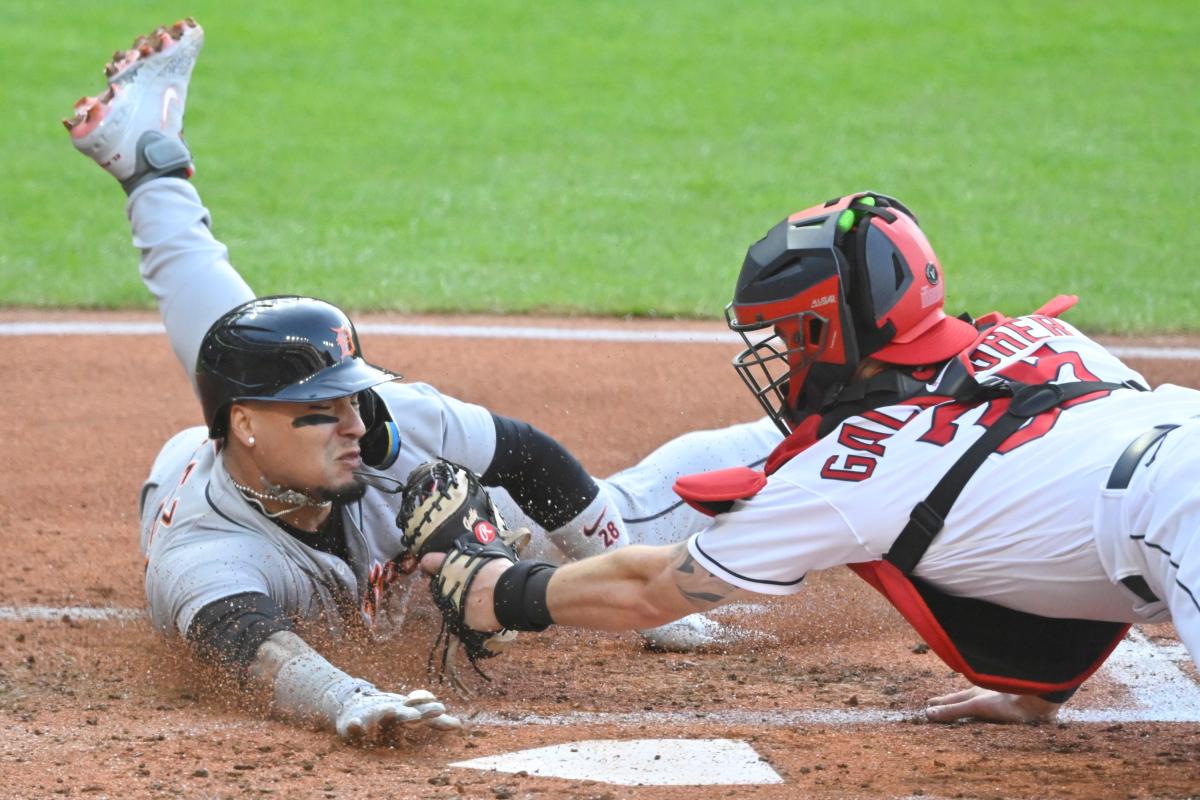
[
  {"x": 1119, "y": 478},
  {"x": 1137, "y": 584}
]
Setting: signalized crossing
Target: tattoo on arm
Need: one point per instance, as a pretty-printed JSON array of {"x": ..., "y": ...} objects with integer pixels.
[{"x": 701, "y": 588}]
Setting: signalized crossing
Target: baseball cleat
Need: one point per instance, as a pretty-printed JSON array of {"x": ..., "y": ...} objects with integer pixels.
[
  {"x": 691, "y": 633},
  {"x": 135, "y": 128}
]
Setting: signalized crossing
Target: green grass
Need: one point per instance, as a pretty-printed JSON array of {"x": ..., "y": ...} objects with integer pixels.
[{"x": 618, "y": 157}]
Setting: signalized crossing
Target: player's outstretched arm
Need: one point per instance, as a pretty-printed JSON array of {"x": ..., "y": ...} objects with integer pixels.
[
  {"x": 633, "y": 588},
  {"x": 990, "y": 706},
  {"x": 552, "y": 490},
  {"x": 305, "y": 687}
]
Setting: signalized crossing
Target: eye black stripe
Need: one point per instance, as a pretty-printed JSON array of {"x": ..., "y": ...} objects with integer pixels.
[{"x": 314, "y": 419}]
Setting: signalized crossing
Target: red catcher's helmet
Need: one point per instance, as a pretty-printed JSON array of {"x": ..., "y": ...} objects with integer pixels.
[{"x": 831, "y": 285}]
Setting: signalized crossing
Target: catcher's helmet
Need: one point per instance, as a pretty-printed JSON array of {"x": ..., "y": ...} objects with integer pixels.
[
  {"x": 833, "y": 284},
  {"x": 284, "y": 348}
]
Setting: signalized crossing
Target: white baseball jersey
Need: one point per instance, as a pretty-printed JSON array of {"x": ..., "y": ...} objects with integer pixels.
[{"x": 1032, "y": 530}]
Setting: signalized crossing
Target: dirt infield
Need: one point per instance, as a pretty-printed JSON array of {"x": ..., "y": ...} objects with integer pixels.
[{"x": 827, "y": 694}]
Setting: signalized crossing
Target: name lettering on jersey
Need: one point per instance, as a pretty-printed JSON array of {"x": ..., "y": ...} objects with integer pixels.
[
  {"x": 1017, "y": 338},
  {"x": 1044, "y": 366},
  {"x": 866, "y": 434},
  {"x": 1018, "y": 351},
  {"x": 379, "y": 579},
  {"x": 849, "y": 468},
  {"x": 894, "y": 423}
]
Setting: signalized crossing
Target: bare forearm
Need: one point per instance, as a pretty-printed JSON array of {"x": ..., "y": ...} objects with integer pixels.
[
  {"x": 633, "y": 588},
  {"x": 612, "y": 592}
]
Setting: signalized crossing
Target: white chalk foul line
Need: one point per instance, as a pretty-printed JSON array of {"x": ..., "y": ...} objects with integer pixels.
[
  {"x": 69, "y": 328},
  {"x": 68, "y": 613},
  {"x": 88, "y": 328},
  {"x": 1165, "y": 353},
  {"x": 646, "y": 335},
  {"x": 1159, "y": 690},
  {"x": 676, "y": 719},
  {"x": 555, "y": 334}
]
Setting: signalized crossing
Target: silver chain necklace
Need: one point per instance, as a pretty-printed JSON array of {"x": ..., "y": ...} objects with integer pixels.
[{"x": 278, "y": 494}]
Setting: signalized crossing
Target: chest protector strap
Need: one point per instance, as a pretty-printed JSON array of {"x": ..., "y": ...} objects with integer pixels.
[
  {"x": 992, "y": 646},
  {"x": 929, "y": 516}
]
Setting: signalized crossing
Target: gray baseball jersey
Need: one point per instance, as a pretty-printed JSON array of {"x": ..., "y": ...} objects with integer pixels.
[{"x": 203, "y": 540}]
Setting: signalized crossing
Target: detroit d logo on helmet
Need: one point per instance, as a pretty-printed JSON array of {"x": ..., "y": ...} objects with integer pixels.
[{"x": 345, "y": 341}]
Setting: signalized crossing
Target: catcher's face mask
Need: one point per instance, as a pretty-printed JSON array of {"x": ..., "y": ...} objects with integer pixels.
[
  {"x": 827, "y": 287},
  {"x": 781, "y": 354}
]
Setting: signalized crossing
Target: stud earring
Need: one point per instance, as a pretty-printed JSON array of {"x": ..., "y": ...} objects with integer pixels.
[{"x": 251, "y": 441}]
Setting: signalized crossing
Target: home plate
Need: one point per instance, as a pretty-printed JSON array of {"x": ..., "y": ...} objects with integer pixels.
[{"x": 639, "y": 762}]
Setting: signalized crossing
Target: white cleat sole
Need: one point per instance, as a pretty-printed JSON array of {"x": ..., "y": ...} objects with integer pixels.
[
  {"x": 147, "y": 93},
  {"x": 689, "y": 634}
]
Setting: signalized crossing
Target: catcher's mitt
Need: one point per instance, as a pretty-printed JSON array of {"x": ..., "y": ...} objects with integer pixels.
[
  {"x": 447, "y": 510},
  {"x": 442, "y": 502}
]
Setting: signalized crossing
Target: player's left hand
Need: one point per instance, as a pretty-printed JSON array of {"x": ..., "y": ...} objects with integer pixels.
[
  {"x": 448, "y": 514},
  {"x": 444, "y": 502},
  {"x": 370, "y": 716},
  {"x": 479, "y": 611},
  {"x": 990, "y": 706}
]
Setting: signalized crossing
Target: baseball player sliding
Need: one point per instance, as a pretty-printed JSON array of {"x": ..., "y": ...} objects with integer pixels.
[
  {"x": 280, "y": 513},
  {"x": 1017, "y": 492}
]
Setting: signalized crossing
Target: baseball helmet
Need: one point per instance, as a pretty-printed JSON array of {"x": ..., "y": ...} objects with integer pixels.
[
  {"x": 283, "y": 349},
  {"x": 829, "y": 286}
]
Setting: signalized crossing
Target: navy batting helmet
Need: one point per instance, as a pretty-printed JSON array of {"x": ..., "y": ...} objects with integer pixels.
[{"x": 283, "y": 349}]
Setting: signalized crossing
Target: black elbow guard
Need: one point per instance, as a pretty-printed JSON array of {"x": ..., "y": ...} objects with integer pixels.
[
  {"x": 548, "y": 483},
  {"x": 229, "y": 631}
]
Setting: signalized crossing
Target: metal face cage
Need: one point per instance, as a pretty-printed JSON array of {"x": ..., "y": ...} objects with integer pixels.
[{"x": 774, "y": 366}]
